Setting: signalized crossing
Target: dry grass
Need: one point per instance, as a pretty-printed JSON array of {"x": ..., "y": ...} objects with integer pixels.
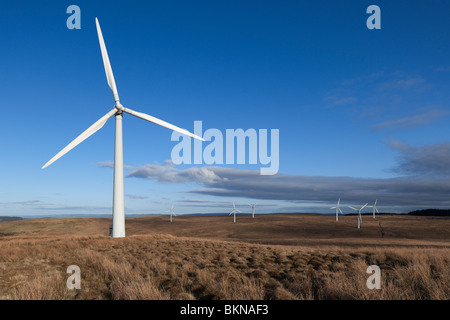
[{"x": 163, "y": 266}]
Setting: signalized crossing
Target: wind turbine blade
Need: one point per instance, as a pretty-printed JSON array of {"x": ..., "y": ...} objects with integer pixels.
[
  {"x": 377, "y": 210},
  {"x": 106, "y": 63},
  {"x": 363, "y": 206},
  {"x": 340, "y": 211},
  {"x": 161, "y": 123},
  {"x": 333, "y": 208},
  {"x": 353, "y": 208},
  {"x": 339, "y": 200},
  {"x": 86, "y": 134}
]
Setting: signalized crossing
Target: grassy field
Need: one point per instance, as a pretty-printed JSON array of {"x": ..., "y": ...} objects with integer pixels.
[{"x": 269, "y": 257}]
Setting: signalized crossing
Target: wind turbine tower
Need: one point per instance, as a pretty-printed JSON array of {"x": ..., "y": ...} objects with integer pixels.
[
  {"x": 233, "y": 212},
  {"x": 359, "y": 214},
  {"x": 172, "y": 213},
  {"x": 118, "y": 214},
  {"x": 374, "y": 208},
  {"x": 253, "y": 209},
  {"x": 337, "y": 209}
]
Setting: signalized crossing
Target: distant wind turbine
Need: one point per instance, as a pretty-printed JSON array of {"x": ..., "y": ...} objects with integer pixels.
[
  {"x": 253, "y": 209},
  {"x": 172, "y": 213},
  {"x": 234, "y": 212},
  {"x": 337, "y": 209},
  {"x": 359, "y": 214},
  {"x": 374, "y": 208},
  {"x": 118, "y": 216}
]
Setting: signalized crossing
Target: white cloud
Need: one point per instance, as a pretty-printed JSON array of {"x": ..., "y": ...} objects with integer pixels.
[
  {"x": 412, "y": 121},
  {"x": 169, "y": 174}
]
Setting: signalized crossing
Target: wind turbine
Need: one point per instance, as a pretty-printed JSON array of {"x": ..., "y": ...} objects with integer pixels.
[
  {"x": 118, "y": 216},
  {"x": 337, "y": 209},
  {"x": 234, "y": 212},
  {"x": 374, "y": 208},
  {"x": 172, "y": 213},
  {"x": 359, "y": 214},
  {"x": 253, "y": 209}
]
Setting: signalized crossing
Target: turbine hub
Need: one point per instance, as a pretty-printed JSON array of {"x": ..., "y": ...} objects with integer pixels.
[{"x": 119, "y": 106}]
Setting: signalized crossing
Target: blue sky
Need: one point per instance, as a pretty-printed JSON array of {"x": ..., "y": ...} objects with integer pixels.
[{"x": 362, "y": 114}]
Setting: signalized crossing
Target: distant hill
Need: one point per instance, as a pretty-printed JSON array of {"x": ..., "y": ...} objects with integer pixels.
[
  {"x": 431, "y": 212},
  {"x": 4, "y": 219}
]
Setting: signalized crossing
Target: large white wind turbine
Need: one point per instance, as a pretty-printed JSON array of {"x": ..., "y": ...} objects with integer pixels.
[
  {"x": 374, "y": 208},
  {"x": 253, "y": 209},
  {"x": 172, "y": 213},
  {"x": 337, "y": 209},
  {"x": 234, "y": 212},
  {"x": 118, "y": 216},
  {"x": 359, "y": 214}
]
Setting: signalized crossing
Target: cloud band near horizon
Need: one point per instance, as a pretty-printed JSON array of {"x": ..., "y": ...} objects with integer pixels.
[{"x": 412, "y": 192}]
